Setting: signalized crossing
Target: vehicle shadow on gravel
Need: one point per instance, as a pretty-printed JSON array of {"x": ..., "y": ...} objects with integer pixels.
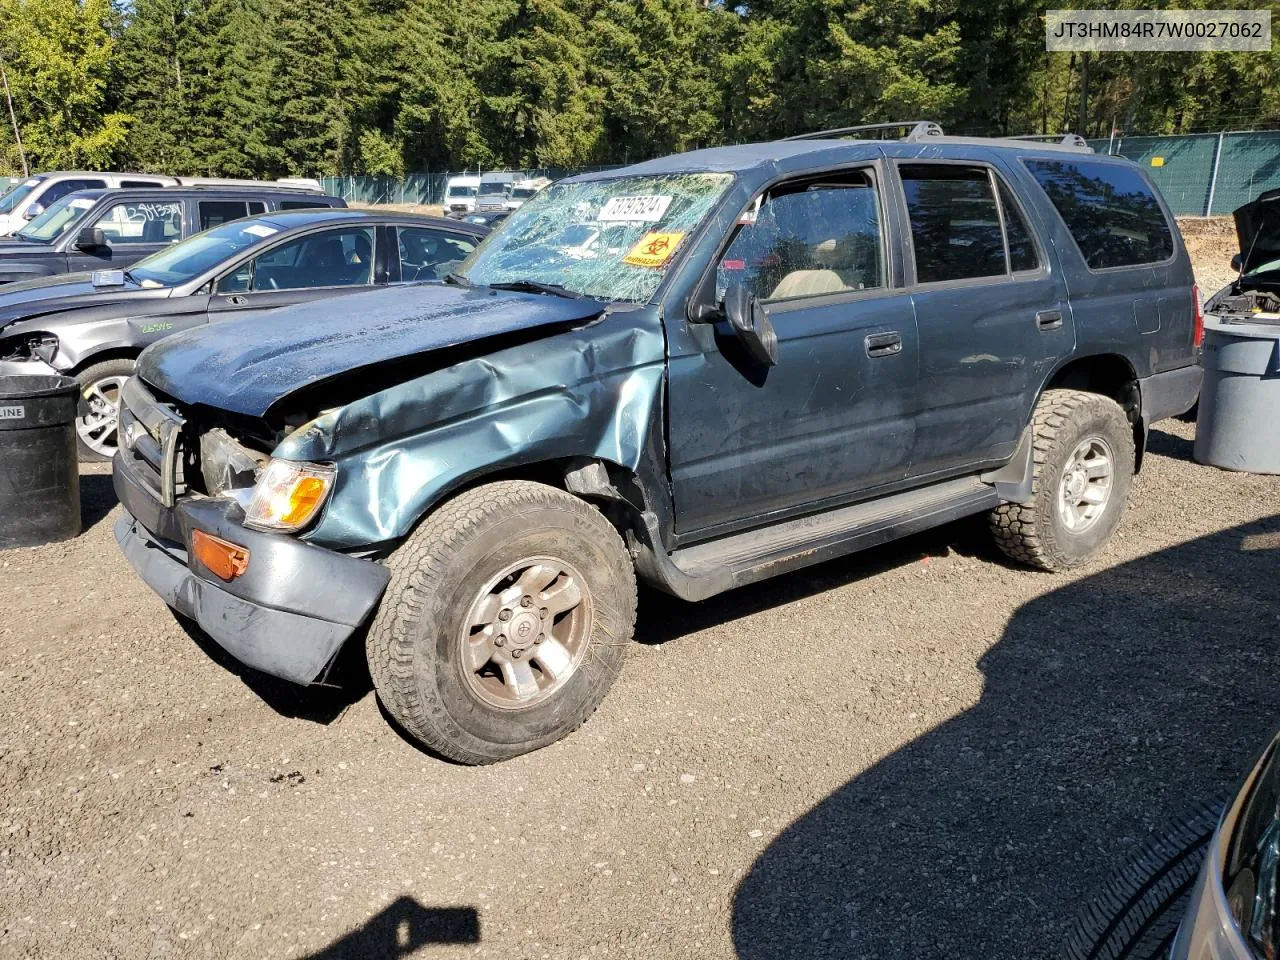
[
  {"x": 347, "y": 683},
  {"x": 97, "y": 498},
  {"x": 1169, "y": 445},
  {"x": 401, "y": 930},
  {"x": 1110, "y": 706}
]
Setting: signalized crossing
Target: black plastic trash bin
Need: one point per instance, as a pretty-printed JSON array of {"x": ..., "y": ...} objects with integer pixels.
[{"x": 39, "y": 466}]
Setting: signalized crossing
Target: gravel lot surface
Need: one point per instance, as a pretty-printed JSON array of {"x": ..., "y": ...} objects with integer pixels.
[{"x": 917, "y": 751}]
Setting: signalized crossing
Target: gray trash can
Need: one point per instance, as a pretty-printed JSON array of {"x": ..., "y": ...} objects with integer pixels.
[
  {"x": 1238, "y": 424},
  {"x": 39, "y": 464}
]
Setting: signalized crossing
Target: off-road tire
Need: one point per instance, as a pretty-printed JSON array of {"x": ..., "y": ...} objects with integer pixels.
[
  {"x": 438, "y": 572},
  {"x": 1136, "y": 914},
  {"x": 90, "y": 375},
  {"x": 1033, "y": 533}
]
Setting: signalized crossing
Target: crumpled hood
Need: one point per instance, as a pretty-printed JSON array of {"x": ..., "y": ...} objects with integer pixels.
[
  {"x": 247, "y": 364},
  {"x": 1258, "y": 230},
  {"x": 68, "y": 291}
]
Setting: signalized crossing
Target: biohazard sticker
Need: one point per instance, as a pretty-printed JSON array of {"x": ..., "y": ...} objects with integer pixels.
[{"x": 654, "y": 250}]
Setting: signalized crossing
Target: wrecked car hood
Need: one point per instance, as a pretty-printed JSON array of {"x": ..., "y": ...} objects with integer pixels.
[
  {"x": 1258, "y": 230},
  {"x": 70, "y": 291},
  {"x": 245, "y": 365}
]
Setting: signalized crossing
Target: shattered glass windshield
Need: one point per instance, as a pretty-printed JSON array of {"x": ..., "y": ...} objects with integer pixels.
[{"x": 605, "y": 239}]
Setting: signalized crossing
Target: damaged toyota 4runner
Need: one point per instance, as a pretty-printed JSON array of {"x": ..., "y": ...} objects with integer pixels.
[{"x": 767, "y": 356}]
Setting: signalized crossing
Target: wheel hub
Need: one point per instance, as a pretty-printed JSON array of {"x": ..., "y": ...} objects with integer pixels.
[
  {"x": 526, "y": 633},
  {"x": 523, "y": 629},
  {"x": 1085, "y": 488}
]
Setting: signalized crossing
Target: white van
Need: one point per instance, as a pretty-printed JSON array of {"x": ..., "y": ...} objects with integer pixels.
[
  {"x": 460, "y": 195},
  {"x": 29, "y": 198},
  {"x": 523, "y": 190}
]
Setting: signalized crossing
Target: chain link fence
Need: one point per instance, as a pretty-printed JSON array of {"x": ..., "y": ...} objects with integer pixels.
[
  {"x": 426, "y": 189},
  {"x": 1205, "y": 174},
  {"x": 1202, "y": 174}
]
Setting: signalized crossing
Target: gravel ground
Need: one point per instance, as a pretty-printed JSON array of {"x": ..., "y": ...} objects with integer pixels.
[{"x": 917, "y": 751}]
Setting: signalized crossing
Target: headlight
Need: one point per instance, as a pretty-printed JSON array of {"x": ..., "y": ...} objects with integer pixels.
[
  {"x": 36, "y": 346},
  {"x": 1251, "y": 877},
  {"x": 288, "y": 495}
]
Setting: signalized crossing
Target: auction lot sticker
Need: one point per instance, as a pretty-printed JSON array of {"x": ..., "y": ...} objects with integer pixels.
[
  {"x": 654, "y": 250},
  {"x": 643, "y": 209}
]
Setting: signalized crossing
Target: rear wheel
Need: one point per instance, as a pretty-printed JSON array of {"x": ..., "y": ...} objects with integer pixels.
[
  {"x": 505, "y": 621},
  {"x": 98, "y": 410},
  {"x": 1083, "y": 461}
]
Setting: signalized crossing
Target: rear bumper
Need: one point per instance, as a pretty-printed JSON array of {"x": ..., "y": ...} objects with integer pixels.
[
  {"x": 287, "y": 615},
  {"x": 1171, "y": 393}
]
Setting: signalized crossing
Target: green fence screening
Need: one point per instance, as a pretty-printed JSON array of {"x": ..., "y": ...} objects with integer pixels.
[
  {"x": 422, "y": 188},
  {"x": 1203, "y": 174},
  {"x": 1206, "y": 174}
]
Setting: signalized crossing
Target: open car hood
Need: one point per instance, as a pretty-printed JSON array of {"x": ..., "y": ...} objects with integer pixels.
[
  {"x": 1258, "y": 230},
  {"x": 247, "y": 364}
]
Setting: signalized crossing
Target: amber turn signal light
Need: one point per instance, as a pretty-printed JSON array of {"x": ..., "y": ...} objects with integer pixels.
[{"x": 224, "y": 560}]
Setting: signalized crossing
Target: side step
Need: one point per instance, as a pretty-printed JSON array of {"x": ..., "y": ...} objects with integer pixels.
[{"x": 709, "y": 568}]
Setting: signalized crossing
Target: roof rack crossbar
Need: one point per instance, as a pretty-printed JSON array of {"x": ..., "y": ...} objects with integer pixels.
[
  {"x": 916, "y": 130},
  {"x": 1066, "y": 139}
]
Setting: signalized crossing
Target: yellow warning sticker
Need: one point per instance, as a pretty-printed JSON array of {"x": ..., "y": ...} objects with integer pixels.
[{"x": 654, "y": 250}]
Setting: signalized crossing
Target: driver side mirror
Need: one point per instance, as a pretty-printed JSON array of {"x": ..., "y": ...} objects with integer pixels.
[
  {"x": 33, "y": 211},
  {"x": 91, "y": 238},
  {"x": 751, "y": 324},
  {"x": 1236, "y": 262}
]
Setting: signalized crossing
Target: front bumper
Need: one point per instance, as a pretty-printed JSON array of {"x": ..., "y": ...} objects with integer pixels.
[
  {"x": 287, "y": 615},
  {"x": 1208, "y": 931}
]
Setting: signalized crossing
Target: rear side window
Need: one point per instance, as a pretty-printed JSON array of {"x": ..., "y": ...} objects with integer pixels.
[
  {"x": 1110, "y": 210},
  {"x": 430, "y": 254},
  {"x": 216, "y": 212},
  {"x": 300, "y": 204},
  {"x": 136, "y": 184},
  {"x": 955, "y": 222},
  {"x": 256, "y": 206},
  {"x": 1022, "y": 249}
]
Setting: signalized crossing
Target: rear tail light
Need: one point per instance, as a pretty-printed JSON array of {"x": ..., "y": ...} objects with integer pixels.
[{"x": 1197, "y": 334}]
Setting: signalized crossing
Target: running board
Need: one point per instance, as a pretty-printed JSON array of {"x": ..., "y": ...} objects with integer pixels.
[{"x": 709, "y": 568}]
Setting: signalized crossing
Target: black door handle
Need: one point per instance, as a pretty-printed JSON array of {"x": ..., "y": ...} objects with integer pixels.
[
  {"x": 883, "y": 344},
  {"x": 237, "y": 300},
  {"x": 1049, "y": 319}
]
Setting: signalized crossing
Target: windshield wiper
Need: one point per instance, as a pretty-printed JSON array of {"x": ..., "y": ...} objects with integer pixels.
[
  {"x": 458, "y": 280},
  {"x": 537, "y": 286}
]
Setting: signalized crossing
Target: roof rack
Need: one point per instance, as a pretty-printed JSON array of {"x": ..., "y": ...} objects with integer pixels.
[
  {"x": 916, "y": 130},
  {"x": 1065, "y": 139}
]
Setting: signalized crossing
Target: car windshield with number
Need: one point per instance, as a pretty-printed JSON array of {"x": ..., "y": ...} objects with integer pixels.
[
  {"x": 640, "y": 224},
  {"x": 189, "y": 259},
  {"x": 55, "y": 221}
]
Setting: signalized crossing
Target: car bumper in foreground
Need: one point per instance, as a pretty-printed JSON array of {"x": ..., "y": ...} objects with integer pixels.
[
  {"x": 1208, "y": 931},
  {"x": 290, "y": 611}
]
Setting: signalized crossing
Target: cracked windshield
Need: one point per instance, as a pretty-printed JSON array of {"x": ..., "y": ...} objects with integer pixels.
[{"x": 606, "y": 239}]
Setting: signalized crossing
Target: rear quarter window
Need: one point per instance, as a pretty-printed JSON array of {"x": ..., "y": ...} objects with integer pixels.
[{"x": 1110, "y": 210}]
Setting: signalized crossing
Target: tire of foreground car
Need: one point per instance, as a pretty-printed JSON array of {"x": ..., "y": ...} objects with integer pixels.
[
  {"x": 99, "y": 384},
  {"x": 505, "y": 622},
  {"x": 1136, "y": 914},
  {"x": 1083, "y": 461}
]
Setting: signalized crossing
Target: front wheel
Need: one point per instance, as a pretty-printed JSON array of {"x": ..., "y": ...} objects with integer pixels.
[
  {"x": 98, "y": 410},
  {"x": 505, "y": 621},
  {"x": 1083, "y": 452}
]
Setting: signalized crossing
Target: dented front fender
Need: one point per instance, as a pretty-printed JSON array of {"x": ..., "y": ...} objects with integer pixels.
[{"x": 593, "y": 392}]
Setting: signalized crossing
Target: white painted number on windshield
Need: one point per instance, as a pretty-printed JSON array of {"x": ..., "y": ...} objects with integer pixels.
[{"x": 646, "y": 209}]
